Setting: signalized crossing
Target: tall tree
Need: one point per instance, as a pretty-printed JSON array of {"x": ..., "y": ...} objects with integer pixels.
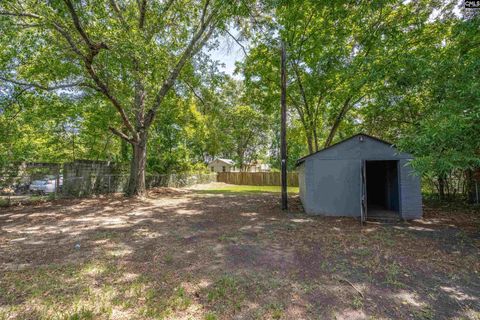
[
  {"x": 247, "y": 132},
  {"x": 337, "y": 53},
  {"x": 129, "y": 52},
  {"x": 430, "y": 103}
]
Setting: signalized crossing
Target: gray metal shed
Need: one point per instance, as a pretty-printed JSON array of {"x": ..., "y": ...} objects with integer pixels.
[{"x": 361, "y": 176}]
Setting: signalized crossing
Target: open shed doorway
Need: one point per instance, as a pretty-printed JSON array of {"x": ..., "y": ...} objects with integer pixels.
[{"x": 382, "y": 189}]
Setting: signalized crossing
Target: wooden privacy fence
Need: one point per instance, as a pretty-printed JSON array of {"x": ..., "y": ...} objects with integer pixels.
[{"x": 257, "y": 178}]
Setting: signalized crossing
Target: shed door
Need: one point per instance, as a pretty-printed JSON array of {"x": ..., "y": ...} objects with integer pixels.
[{"x": 363, "y": 192}]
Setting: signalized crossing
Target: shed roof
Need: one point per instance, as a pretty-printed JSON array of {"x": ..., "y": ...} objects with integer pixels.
[{"x": 301, "y": 160}]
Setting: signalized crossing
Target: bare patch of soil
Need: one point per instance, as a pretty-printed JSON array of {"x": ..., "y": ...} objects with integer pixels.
[
  {"x": 179, "y": 255},
  {"x": 163, "y": 191}
]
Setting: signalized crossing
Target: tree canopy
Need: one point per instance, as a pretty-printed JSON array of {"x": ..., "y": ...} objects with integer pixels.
[{"x": 109, "y": 80}]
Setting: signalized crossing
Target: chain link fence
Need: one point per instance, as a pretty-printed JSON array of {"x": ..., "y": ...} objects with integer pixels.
[{"x": 32, "y": 188}]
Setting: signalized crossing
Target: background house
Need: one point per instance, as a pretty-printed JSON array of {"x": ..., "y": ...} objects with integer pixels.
[
  {"x": 222, "y": 165},
  {"x": 256, "y": 166},
  {"x": 228, "y": 165}
]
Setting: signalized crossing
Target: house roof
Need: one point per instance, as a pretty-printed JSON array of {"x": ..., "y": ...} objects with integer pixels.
[
  {"x": 227, "y": 161},
  {"x": 301, "y": 160}
]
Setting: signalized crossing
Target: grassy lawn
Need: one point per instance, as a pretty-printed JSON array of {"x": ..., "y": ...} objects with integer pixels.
[
  {"x": 188, "y": 255},
  {"x": 231, "y": 188}
]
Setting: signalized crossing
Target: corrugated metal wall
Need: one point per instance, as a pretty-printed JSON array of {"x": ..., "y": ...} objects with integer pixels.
[{"x": 410, "y": 192}]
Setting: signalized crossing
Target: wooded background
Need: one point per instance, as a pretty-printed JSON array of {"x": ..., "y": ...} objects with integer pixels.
[{"x": 136, "y": 83}]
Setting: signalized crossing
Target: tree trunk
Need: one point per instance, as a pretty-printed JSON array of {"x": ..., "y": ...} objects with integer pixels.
[
  {"x": 441, "y": 187},
  {"x": 471, "y": 186},
  {"x": 336, "y": 123},
  {"x": 136, "y": 184},
  {"x": 315, "y": 138},
  {"x": 241, "y": 165},
  {"x": 309, "y": 140}
]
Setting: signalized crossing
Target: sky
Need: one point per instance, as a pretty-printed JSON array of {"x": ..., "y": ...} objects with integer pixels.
[{"x": 227, "y": 53}]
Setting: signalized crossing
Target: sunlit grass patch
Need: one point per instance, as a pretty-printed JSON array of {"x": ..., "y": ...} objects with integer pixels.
[
  {"x": 210, "y": 316},
  {"x": 247, "y": 189},
  {"x": 392, "y": 277},
  {"x": 94, "y": 290},
  {"x": 226, "y": 293},
  {"x": 255, "y": 264},
  {"x": 357, "y": 302},
  {"x": 50, "y": 293},
  {"x": 276, "y": 310},
  {"x": 159, "y": 304}
]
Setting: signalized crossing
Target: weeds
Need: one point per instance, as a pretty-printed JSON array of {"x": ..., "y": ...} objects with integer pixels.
[
  {"x": 226, "y": 292},
  {"x": 276, "y": 310},
  {"x": 424, "y": 314},
  {"x": 4, "y": 202},
  {"x": 357, "y": 302},
  {"x": 168, "y": 258},
  {"x": 276, "y": 275},
  {"x": 210, "y": 316},
  {"x": 393, "y": 271}
]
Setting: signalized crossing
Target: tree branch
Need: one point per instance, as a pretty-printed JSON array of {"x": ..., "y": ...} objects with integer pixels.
[
  {"x": 69, "y": 39},
  {"x": 122, "y": 135},
  {"x": 93, "y": 50},
  {"x": 237, "y": 41},
  {"x": 42, "y": 87},
  {"x": 76, "y": 23},
  {"x": 105, "y": 90},
  {"x": 347, "y": 105},
  {"x": 195, "y": 44},
  {"x": 88, "y": 61},
  {"x": 22, "y": 14},
  {"x": 142, "y": 8},
  {"x": 202, "y": 42},
  {"x": 167, "y": 6},
  {"x": 118, "y": 12},
  {"x": 13, "y": 101},
  {"x": 204, "y": 12},
  {"x": 29, "y": 25},
  {"x": 195, "y": 93},
  {"x": 300, "y": 86}
]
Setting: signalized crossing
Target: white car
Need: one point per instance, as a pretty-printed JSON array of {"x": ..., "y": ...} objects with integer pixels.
[{"x": 47, "y": 185}]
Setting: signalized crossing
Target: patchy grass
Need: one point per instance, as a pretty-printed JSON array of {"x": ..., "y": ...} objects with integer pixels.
[
  {"x": 226, "y": 293},
  {"x": 210, "y": 316},
  {"x": 357, "y": 302},
  {"x": 189, "y": 255},
  {"x": 276, "y": 310},
  {"x": 4, "y": 202},
  {"x": 239, "y": 189},
  {"x": 393, "y": 271}
]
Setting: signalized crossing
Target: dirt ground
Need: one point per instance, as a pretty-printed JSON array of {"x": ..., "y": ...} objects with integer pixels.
[{"x": 181, "y": 254}]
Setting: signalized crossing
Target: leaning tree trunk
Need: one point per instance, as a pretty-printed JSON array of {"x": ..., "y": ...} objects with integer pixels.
[
  {"x": 136, "y": 184},
  {"x": 309, "y": 140}
]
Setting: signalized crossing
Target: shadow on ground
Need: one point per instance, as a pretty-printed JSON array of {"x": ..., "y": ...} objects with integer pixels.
[{"x": 221, "y": 256}]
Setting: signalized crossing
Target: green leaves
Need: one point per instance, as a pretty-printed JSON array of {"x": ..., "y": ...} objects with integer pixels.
[
  {"x": 337, "y": 55},
  {"x": 404, "y": 71},
  {"x": 431, "y": 105}
]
